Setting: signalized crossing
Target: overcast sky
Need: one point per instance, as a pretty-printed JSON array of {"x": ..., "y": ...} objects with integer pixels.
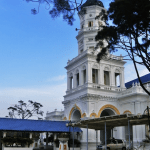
[{"x": 34, "y": 49}]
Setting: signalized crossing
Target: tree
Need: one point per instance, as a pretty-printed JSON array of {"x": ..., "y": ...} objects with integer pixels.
[
  {"x": 66, "y": 8},
  {"x": 130, "y": 32},
  {"x": 25, "y": 111}
]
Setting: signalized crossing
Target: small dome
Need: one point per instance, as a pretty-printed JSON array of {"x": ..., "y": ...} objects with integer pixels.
[{"x": 92, "y": 2}]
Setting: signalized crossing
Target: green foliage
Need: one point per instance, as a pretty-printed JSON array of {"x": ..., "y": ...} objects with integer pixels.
[
  {"x": 57, "y": 8},
  {"x": 130, "y": 31},
  {"x": 17, "y": 141},
  {"x": 24, "y": 110}
]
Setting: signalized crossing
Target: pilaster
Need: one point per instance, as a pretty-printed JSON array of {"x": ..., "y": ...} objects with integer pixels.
[
  {"x": 80, "y": 77},
  {"x": 74, "y": 80}
]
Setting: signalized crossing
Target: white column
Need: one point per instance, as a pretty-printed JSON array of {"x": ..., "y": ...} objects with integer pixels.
[
  {"x": 112, "y": 77},
  {"x": 54, "y": 144},
  {"x": 68, "y": 82},
  {"x": 101, "y": 75},
  {"x": 122, "y": 79},
  {"x": 30, "y": 136},
  {"x": 89, "y": 73},
  {"x": 80, "y": 77},
  {"x": 74, "y": 80},
  {"x": 4, "y": 134},
  {"x": 84, "y": 45}
]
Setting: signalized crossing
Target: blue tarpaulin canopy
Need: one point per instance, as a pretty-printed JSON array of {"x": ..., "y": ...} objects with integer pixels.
[
  {"x": 8, "y": 124},
  {"x": 144, "y": 79}
]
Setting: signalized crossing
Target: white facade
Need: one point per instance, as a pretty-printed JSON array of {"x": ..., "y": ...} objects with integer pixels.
[{"x": 92, "y": 88}]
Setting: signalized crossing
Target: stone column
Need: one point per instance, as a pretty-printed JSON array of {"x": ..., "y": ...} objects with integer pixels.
[
  {"x": 68, "y": 82},
  {"x": 30, "y": 136},
  {"x": 74, "y": 80},
  {"x": 88, "y": 73},
  {"x": 80, "y": 77},
  {"x": 112, "y": 77},
  {"x": 101, "y": 75},
  {"x": 4, "y": 134},
  {"x": 122, "y": 78}
]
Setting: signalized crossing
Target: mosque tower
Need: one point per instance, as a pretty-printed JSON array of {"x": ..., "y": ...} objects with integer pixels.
[{"x": 92, "y": 87}]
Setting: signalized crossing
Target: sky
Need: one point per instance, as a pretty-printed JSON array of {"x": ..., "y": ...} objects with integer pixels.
[{"x": 34, "y": 49}]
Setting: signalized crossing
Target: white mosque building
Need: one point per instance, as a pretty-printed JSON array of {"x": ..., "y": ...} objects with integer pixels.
[{"x": 92, "y": 87}]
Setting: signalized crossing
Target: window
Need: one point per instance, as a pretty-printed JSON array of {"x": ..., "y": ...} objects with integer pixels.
[
  {"x": 77, "y": 79},
  {"x": 94, "y": 75},
  {"x": 117, "y": 79},
  {"x": 106, "y": 78},
  {"x": 71, "y": 82},
  {"x": 119, "y": 141},
  {"x": 81, "y": 50},
  {"x": 82, "y": 26},
  {"x": 90, "y": 24}
]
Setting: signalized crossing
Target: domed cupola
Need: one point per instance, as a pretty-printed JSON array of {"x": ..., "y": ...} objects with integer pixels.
[
  {"x": 92, "y": 2},
  {"x": 89, "y": 26}
]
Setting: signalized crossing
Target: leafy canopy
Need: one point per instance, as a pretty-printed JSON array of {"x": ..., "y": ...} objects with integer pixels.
[
  {"x": 130, "y": 31},
  {"x": 56, "y": 8}
]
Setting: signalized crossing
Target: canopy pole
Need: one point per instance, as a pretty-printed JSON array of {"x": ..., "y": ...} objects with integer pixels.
[
  {"x": 87, "y": 138},
  {"x": 96, "y": 139},
  {"x": 47, "y": 140},
  {"x": 132, "y": 137},
  {"x": 129, "y": 134},
  {"x": 105, "y": 137},
  {"x": 73, "y": 138},
  {"x": 112, "y": 133},
  {"x": 69, "y": 138}
]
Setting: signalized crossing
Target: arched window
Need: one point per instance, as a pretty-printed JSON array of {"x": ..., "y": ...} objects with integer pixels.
[{"x": 90, "y": 24}]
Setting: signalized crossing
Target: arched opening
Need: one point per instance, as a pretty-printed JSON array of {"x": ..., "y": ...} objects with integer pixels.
[
  {"x": 76, "y": 115},
  {"x": 106, "y": 112}
]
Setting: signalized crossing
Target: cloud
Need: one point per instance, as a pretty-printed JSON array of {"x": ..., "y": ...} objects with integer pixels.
[
  {"x": 50, "y": 97},
  {"x": 58, "y": 78}
]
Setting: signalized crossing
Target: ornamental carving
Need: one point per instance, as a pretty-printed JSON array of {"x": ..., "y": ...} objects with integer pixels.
[
  {"x": 117, "y": 70},
  {"x": 95, "y": 66},
  {"x": 108, "y": 106},
  {"x": 107, "y": 68}
]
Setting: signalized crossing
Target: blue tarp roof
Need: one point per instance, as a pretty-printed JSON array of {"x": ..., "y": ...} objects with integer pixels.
[
  {"x": 144, "y": 79},
  {"x": 8, "y": 124}
]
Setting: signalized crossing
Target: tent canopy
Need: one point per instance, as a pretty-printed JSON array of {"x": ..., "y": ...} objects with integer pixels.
[
  {"x": 112, "y": 121},
  {"x": 8, "y": 124}
]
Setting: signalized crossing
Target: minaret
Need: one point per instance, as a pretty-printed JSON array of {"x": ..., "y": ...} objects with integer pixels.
[
  {"x": 91, "y": 85},
  {"x": 89, "y": 26}
]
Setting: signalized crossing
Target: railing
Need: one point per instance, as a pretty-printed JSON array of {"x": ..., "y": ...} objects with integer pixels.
[
  {"x": 136, "y": 88},
  {"x": 96, "y": 86}
]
